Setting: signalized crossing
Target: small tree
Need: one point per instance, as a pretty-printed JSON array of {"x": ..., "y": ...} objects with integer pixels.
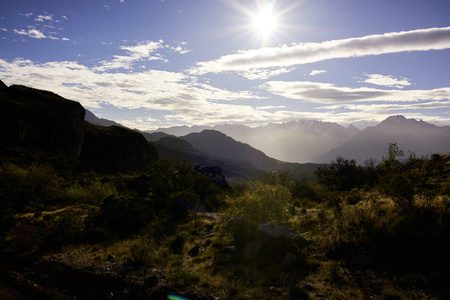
[{"x": 342, "y": 175}]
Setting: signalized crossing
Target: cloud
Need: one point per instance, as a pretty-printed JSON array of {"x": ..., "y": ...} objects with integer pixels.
[
  {"x": 270, "y": 107},
  {"x": 329, "y": 93},
  {"x": 377, "y": 107},
  {"x": 254, "y": 74},
  {"x": 179, "y": 96},
  {"x": 180, "y": 50},
  {"x": 386, "y": 80},
  {"x": 42, "y": 18},
  {"x": 317, "y": 72},
  {"x": 3, "y": 29},
  {"x": 394, "y": 42},
  {"x": 33, "y": 33},
  {"x": 140, "y": 52}
]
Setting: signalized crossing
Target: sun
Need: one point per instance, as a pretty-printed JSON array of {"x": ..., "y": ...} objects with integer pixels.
[{"x": 264, "y": 22}]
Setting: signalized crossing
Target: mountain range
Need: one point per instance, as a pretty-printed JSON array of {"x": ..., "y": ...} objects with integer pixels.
[
  {"x": 37, "y": 119},
  {"x": 321, "y": 142}
]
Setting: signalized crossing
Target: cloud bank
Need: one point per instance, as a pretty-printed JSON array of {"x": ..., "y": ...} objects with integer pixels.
[
  {"x": 394, "y": 42},
  {"x": 317, "y": 92}
]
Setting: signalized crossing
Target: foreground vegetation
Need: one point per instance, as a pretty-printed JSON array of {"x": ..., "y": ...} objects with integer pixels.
[{"x": 381, "y": 230}]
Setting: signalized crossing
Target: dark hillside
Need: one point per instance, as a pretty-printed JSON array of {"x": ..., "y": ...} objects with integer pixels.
[
  {"x": 116, "y": 149},
  {"x": 218, "y": 144},
  {"x": 180, "y": 150},
  {"x": 33, "y": 118}
]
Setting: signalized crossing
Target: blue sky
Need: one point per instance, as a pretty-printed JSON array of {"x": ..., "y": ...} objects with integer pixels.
[{"x": 154, "y": 63}]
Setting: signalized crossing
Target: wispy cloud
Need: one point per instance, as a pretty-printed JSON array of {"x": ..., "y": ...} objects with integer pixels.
[
  {"x": 180, "y": 96},
  {"x": 140, "y": 52},
  {"x": 317, "y": 72},
  {"x": 394, "y": 42},
  {"x": 32, "y": 33},
  {"x": 329, "y": 93},
  {"x": 386, "y": 80},
  {"x": 42, "y": 18},
  {"x": 143, "y": 51},
  {"x": 266, "y": 73}
]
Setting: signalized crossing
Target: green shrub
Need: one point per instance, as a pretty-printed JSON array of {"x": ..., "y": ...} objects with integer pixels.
[
  {"x": 91, "y": 193},
  {"x": 143, "y": 252},
  {"x": 263, "y": 204},
  {"x": 34, "y": 186}
]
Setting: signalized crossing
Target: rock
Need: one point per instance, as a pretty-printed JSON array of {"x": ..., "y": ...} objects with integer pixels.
[
  {"x": 252, "y": 248},
  {"x": 291, "y": 210},
  {"x": 289, "y": 259},
  {"x": 151, "y": 281},
  {"x": 308, "y": 287},
  {"x": 272, "y": 231},
  {"x": 193, "y": 252},
  {"x": 110, "y": 258},
  {"x": 109, "y": 296}
]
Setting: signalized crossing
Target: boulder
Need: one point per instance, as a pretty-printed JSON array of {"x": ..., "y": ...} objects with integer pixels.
[
  {"x": 193, "y": 252},
  {"x": 252, "y": 248}
]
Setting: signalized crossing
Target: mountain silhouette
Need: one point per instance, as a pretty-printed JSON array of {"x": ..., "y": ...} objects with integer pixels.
[
  {"x": 412, "y": 135},
  {"x": 36, "y": 123},
  {"x": 295, "y": 141}
]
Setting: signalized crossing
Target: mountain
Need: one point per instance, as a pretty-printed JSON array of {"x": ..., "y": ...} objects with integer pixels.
[
  {"x": 180, "y": 150},
  {"x": 215, "y": 143},
  {"x": 37, "y": 124},
  {"x": 295, "y": 141},
  {"x": 36, "y": 119},
  {"x": 115, "y": 148},
  {"x": 93, "y": 119},
  {"x": 410, "y": 135},
  {"x": 237, "y": 160}
]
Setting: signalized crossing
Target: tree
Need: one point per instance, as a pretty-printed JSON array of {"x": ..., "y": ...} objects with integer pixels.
[{"x": 342, "y": 175}]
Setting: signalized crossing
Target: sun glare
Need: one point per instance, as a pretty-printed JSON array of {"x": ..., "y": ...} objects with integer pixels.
[{"x": 264, "y": 22}]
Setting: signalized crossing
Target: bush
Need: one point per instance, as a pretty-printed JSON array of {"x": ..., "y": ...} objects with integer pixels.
[
  {"x": 91, "y": 193},
  {"x": 263, "y": 204},
  {"x": 34, "y": 186},
  {"x": 123, "y": 216}
]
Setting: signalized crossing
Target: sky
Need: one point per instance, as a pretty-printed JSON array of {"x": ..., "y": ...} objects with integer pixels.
[{"x": 160, "y": 63}]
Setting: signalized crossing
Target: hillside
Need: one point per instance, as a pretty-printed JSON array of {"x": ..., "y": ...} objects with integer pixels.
[
  {"x": 39, "y": 124},
  {"x": 236, "y": 159}
]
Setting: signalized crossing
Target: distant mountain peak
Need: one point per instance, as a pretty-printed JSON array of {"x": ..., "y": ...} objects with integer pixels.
[{"x": 397, "y": 118}]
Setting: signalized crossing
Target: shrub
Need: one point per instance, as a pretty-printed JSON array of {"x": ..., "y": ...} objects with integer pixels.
[
  {"x": 122, "y": 215},
  {"x": 33, "y": 186},
  {"x": 91, "y": 193},
  {"x": 143, "y": 252},
  {"x": 263, "y": 204}
]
